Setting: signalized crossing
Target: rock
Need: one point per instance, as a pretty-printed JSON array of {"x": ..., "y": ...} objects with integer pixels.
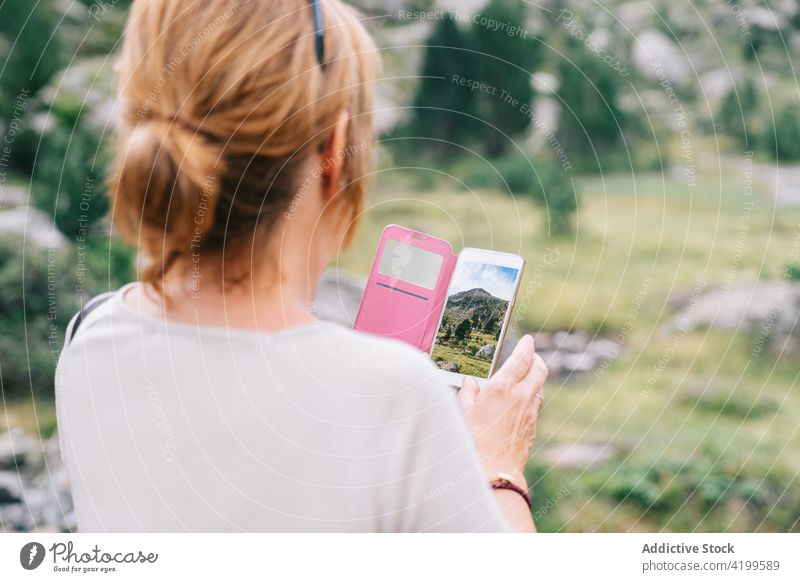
[
  {"x": 583, "y": 362},
  {"x": 782, "y": 181},
  {"x": 599, "y": 38},
  {"x": 554, "y": 361},
  {"x": 11, "y": 196},
  {"x": 10, "y": 488},
  {"x": 38, "y": 496},
  {"x": 571, "y": 342},
  {"x": 89, "y": 82},
  {"x": 48, "y": 508},
  {"x": 545, "y": 83},
  {"x": 35, "y": 225},
  {"x": 716, "y": 84},
  {"x": 17, "y": 448},
  {"x": 634, "y": 16},
  {"x": 764, "y": 18},
  {"x": 604, "y": 348},
  {"x": 461, "y": 6},
  {"x": 15, "y": 518},
  {"x": 548, "y": 111},
  {"x": 448, "y": 366},
  {"x": 568, "y": 352},
  {"x": 485, "y": 352},
  {"x": 768, "y": 309},
  {"x": 543, "y": 341},
  {"x": 577, "y": 455},
  {"x": 655, "y": 53},
  {"x": 742, "y": 306},
  {"x": 339, "y": 296}
]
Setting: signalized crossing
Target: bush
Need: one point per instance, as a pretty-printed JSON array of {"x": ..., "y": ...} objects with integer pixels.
[
  {"x": 41, "y": 293},
  {"x": 37, "y": 302},
  {"x": 792, "y": 272},
  {"x": 109, "y": 264},
  {"x": 591, "y": 125},
  {"x": 521, "y": 175},
  {"x": 35, "y": 52},
  {"x": 782, "y": 138},
  {"x": 706, "y": 485},
  {"x": 69, "y": 179},
  {"x": 737, "y": 110}
]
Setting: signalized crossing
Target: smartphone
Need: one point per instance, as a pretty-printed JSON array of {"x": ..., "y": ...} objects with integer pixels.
[{"x": 476, "y": 314}]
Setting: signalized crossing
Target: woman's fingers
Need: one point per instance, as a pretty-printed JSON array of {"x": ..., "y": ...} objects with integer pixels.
[
  {"x": 518, "y": 364},
  {"x": 534, "y": 381}
]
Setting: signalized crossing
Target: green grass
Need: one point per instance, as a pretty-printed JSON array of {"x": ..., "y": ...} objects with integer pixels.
[
  {"x": 696, "y": 400},
  {"x": 461, "y": 353},
  {"x": 35, "y": 417},
  {"x": 469, "y": 365}
]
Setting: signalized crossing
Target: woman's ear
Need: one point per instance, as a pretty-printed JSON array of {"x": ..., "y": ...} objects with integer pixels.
[{"x": 334, "y": 157}]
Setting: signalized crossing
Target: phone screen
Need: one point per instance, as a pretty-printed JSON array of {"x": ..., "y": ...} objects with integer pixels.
[{"x": 478, "y": 301}]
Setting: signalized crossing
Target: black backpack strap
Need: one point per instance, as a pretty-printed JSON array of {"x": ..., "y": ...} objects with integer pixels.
[{"x": 87, "y": 308}]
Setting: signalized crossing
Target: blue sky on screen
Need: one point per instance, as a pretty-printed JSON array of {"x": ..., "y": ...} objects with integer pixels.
[{"x": 499, "y": 281}]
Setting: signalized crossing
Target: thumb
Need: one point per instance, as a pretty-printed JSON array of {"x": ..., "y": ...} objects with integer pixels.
[{"x": 469, "y": 392}]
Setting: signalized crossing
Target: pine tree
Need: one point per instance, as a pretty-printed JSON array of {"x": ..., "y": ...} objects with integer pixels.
[
  {"x": 441, "y": 106},
  {"x": 591, "y": 123},
  {"x": 488, "y": 327},
  {"x": 782, "y": 137},
  {"x": 463, "y": 329},
  {"x": 736, "y": 111},
  {"x": 505, "y": 60}
]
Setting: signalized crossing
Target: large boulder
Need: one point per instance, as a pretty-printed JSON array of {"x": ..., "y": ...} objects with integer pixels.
[
  {"x": 10, "y": 487},
  {"x": 17, "y": 448},
  {"x": 12, "y": 195},
  {"x": 36, "y": 226},
  {"x": 717, "y": 83},
  {"x": 634, "y": 16},
  {"x": 486, "y": 352},
  {"x": 578, "y": 455},
  {"x": 339, "y": 296},
  {"x": 448, "y": 366},
  {"x": 656, "y": 57},
  {"x": 89, "y": 84},
  {"x": 34, "y": 491},
  {"x": 767, "y": 309}
]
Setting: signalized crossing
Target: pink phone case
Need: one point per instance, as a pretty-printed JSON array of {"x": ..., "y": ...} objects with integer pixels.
[{"x": 399, "y": 309}]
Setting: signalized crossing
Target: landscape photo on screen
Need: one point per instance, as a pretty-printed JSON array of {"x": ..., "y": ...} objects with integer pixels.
[{"x": 477, "y": 302}]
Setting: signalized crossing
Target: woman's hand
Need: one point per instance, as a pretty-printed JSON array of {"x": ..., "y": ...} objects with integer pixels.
[
  {"x": 502, "y": 419},
  {"x": 502, "y": 416}
]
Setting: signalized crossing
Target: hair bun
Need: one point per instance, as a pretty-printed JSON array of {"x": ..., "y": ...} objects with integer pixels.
[{"x": 175, "y": 171}]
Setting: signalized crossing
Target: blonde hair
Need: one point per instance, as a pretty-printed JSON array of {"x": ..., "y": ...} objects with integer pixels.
[{"x": 221, "y": 102}]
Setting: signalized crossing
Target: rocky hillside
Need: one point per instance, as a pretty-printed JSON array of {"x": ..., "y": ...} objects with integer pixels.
[{"x": 476, "y": 304}]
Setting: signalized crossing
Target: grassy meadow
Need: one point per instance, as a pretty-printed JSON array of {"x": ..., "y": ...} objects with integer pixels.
[{"x": 461, "y": 352}]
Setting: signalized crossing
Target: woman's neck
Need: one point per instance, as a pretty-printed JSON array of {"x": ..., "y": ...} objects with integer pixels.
[{"x": 256, "y": 304}]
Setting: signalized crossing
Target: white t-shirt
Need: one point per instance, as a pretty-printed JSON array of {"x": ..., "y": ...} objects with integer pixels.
[{"x": 167, "y": 426}]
